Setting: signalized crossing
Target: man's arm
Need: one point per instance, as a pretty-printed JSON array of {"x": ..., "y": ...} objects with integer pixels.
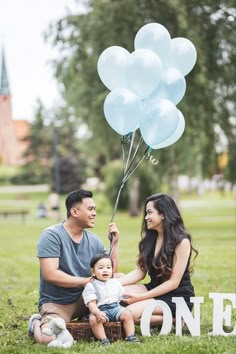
[{"x": 52, "y": 274}]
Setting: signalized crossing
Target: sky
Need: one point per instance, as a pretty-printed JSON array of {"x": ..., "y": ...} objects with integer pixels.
[{"x": 22, "y": 25}]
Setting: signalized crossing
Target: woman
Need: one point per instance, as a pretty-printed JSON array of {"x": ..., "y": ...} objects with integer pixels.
[{"x": 164, "y": 253}]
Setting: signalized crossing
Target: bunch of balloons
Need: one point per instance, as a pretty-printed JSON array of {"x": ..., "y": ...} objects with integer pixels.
[{"x": 147, "y": 84}]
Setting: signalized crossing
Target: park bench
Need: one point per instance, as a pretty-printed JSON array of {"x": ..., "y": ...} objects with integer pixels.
[{"x": 21, "y": 212}]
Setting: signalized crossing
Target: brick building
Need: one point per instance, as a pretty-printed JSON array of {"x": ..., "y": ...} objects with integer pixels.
[{"x": 12, "y": 132}]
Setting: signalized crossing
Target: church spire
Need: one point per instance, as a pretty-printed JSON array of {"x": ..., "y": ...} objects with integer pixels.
[{"x": 4, "y": 83}]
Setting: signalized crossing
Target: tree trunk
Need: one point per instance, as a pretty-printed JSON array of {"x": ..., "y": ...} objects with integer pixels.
[
  {"x": 134, "y": 197},
  {"x": 174, "y": 189}
]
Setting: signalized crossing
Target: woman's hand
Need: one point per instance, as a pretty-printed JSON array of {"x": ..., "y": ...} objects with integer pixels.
[
  {"x": 113, "y": 233},
  {"x": 129, "y": 299}
]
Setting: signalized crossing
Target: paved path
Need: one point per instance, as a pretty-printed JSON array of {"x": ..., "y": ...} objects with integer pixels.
[{"x": 24, "y": 188}]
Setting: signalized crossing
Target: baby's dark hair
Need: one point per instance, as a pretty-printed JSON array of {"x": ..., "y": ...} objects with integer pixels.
[{"x": 97, "y": 258}]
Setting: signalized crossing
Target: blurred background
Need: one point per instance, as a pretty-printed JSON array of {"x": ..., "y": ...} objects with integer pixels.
[{"x": 63, "y": 142}]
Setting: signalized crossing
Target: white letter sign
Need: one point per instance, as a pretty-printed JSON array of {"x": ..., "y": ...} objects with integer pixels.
[
  {"x": 222, "y": 316},
  {"x": 219, "y": 315},
  {"x": 183, "y": 312},
  {"x": 146, "y": 318}
]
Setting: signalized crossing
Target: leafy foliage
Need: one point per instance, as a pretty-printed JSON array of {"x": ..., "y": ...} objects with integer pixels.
[
  {"x": 54, "y": 155},
  {"x": 209, "y": 100},
  {"x": 148, "y": 183}
]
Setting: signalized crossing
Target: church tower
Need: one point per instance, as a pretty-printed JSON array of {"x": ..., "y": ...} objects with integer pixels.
[{"x": 8, "y": 138}]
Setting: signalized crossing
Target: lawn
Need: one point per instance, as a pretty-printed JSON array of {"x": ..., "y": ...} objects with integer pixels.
[{"x": 211, "y": 221}]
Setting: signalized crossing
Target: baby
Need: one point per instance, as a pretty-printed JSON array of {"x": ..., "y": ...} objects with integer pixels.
[{"x": 102, "y": 296}]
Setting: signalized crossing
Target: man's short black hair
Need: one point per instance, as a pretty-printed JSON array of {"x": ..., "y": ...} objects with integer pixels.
[{"x": 76, "y": 197}]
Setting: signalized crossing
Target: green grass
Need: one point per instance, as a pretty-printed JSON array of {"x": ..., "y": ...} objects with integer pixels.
[{"x": 211, "y": 221}]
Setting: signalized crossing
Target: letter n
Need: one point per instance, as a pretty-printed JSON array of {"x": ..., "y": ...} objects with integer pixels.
[{"x": 183, "y": 312}]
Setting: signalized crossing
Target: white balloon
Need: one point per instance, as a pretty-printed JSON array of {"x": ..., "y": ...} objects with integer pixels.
[
  {"x": 175, "y": 136},
  {"x": 123, "y": 110},
  {"x": 160, "y": 122},
  {"x": 172, "y": 87},
  {"x": 143, "y": 72},
  {"x": 112, "y": 67},
  {"x": 175, "y": 85},
  {"x": 183, "y": 55},
  {"x": 155, "y": 37}
]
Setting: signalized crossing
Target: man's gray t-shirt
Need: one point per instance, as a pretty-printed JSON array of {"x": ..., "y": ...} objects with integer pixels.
[{"x": 74, "y": 259}]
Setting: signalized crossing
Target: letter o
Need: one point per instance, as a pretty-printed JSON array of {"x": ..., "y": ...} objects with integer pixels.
[{"x": 146, "y": 318}]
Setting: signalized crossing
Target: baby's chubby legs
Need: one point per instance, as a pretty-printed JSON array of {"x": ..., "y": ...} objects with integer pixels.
[
  {"x": 128, "y": 323},
  {"x": 97, "y": 328}
]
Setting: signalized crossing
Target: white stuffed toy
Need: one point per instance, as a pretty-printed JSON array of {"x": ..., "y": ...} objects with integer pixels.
[{"x": 57, "y": 326}]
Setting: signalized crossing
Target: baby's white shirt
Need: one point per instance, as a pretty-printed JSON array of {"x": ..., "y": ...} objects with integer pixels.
[{"x": 108, "y": 292}]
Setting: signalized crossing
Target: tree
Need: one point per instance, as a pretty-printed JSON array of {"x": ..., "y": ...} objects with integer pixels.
[
  {"x": 45, "y": 154},
  {"x": 145, "y": 182},
  {"x": 213, "y": 22},
  {"x": 38, "y": 152},
  {"x": 209, "y": 100}
]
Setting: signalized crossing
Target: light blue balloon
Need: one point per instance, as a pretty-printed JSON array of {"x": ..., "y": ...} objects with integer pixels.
[
  {"x": 112, "y": 67},
  {"x": 175, "y": 85},
  {"x": 158, "y": 94},
  {"x": 155, "y": 37},
  {"x": 143, "y": 72},
  {"x": 175, "y": 136},
  {"x": 159, "y": 123},
  {"x": 123, "y": 110},
  {"x": 183, "y": 55},
  {"x": 171, "y": 87}
]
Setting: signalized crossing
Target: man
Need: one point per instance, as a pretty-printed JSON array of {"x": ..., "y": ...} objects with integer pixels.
[{"x": 64, "y": 252}]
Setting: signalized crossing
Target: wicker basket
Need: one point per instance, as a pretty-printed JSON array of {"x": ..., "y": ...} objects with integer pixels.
[{"x": 81, "y": 330}]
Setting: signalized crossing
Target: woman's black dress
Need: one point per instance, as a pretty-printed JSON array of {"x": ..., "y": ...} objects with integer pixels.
[{"x": 185, "y": 289}]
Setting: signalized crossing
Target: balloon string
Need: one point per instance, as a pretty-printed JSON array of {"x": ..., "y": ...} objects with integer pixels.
[
  {"x": 135, "y": 154},
  {"x": 130, "y": 149},
  {"x": 127, "y": 172},
  {"x": 113, "y": 215},
  {"x": 117, "y": 199},
  {"x": 123, "y": 155},
  {"x": 124, "y": 137},
  {"x": 136, "y": 166}
]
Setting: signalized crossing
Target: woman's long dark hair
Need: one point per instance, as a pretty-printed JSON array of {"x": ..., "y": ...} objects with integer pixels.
[{"x": 174, "y": 233}]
